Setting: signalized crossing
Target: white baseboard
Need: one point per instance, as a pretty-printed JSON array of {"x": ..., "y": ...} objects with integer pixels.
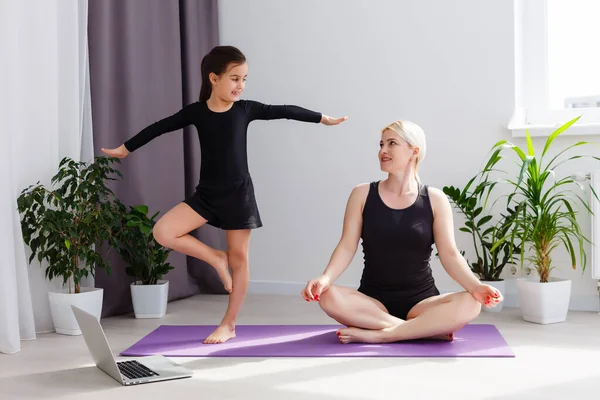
[{"x": 579, "y": 302}]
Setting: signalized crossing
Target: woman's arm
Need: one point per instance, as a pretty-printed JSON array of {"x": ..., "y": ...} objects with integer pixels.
[
  {"x": 346, "y": 248},
  {"x": 443, "y": 232}
]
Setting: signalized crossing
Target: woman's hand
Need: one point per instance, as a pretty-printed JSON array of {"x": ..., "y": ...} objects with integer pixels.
[
  {"x": 315, "y": 287},
  {"x": 119, "y": 152},
  {"x": 325, "y": 120},
  {"x": 487, "y": 295}
]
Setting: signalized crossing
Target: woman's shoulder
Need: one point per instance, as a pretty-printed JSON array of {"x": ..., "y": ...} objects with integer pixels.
[
  {"x": 434, "y": 193},
  {"x": 363, "y": 187},
  {"x": 361, "y": 190},
  {"x": 358, "y": 197},
  {"x": 439, "y": 201}
]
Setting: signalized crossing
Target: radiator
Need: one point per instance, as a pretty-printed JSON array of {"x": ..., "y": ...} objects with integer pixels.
[{"x": 595, "y": 236}]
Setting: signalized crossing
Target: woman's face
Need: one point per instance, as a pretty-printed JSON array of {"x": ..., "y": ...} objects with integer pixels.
[{"x": 395, "y": 154}]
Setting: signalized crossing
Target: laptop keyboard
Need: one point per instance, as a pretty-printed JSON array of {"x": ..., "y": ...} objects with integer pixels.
[{"x": 134, "y": 370}]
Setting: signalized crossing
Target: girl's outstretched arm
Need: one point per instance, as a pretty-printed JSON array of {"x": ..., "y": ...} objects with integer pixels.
[
  {"x": 172, "y": 123},
  {"x": 326, "y": 120},
  {"x": 262, "y": 111}
]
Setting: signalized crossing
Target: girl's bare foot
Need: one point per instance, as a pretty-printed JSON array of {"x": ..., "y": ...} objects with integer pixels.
[
  {"x": 222, "y": 268},
  {"x": 220, "y": 335}
]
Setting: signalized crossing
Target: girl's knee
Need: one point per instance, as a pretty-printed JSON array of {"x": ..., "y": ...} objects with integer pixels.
[
  {"x": 162, "y": 234},
  {"x": 238, "y": 258}
]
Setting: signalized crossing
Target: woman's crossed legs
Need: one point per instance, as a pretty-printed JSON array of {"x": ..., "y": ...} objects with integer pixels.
[{"x": 369, "y": 321}]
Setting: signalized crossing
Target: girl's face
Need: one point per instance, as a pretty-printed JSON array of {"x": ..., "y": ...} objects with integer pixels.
[
  {"x": 230, "y": 85},
  {"x": 395, "y": 154}
]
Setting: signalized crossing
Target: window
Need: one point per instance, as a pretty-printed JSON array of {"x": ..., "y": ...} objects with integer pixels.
[{"x": 557, "y": 66}]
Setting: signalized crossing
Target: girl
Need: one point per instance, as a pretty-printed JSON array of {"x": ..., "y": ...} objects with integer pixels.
[
  {"x": 399, "y": 220},
  {"x": 224, "y": 197}
]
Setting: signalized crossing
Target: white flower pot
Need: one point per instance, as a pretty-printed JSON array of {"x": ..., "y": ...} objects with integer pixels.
[
  {"x": 501, "y": 286},
  {"x": 544, "y": 303},
  {"x": 90, "y": 300},
  {"x": 150, "y": 301}
]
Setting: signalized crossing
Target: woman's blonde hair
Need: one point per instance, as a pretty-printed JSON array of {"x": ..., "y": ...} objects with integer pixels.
[{"x": 414, "y": 135}]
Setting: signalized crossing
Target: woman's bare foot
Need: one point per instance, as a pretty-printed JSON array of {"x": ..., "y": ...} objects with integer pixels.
[
  {"x": 448, "y": 337},
  {"x": 222, "y": 268},
  {"x": 357, "y": 335},
  {"x": 220, "y": 335}
]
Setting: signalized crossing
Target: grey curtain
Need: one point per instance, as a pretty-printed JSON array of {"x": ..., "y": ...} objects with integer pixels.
[{"x": 145, "y": 60}]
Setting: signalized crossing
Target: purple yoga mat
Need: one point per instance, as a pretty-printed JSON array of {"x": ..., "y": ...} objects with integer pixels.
[{"x": 477, "y": 340}]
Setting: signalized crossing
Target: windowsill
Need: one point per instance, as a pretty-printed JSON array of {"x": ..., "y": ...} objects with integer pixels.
[
  {"x": 518, "y": 125},
  {"x": 546, "y": 130}
]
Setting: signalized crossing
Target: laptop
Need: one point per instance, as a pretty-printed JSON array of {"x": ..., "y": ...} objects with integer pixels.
[{"x": 133, "y": 371}]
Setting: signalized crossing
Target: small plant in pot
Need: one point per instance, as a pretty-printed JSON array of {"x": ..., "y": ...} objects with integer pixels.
[
  {"x": 146, "y": 261},
  {"x": 493, "y": 247},
  {"x": 547, "y": 220},
  {"x": 63, "y": 224}
]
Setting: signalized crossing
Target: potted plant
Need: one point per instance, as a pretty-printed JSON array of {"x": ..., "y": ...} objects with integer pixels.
[
  {"x": 492, "y": 249},
  {"x": 63, "y": 225},
  {"x": 147, "y": 262},
  {"x": 546, "y": 220}
]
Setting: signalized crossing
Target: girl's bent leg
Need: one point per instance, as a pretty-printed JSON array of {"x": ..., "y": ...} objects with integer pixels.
[{"x": 172, "y": 231}]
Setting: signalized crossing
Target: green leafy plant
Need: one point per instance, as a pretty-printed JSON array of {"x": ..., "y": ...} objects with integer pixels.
[
  {"x": 63, "y": 224},
  {"x": 546, "y": 214},
  {"x": 145, "y": 257},
  {"x": 493, "y": 250}
]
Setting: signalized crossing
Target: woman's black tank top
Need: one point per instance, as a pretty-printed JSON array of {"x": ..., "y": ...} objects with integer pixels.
[{"x": 397, "y": 244}]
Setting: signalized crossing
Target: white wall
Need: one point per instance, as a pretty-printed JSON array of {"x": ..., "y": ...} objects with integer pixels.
[{"x": 449, "y": 66}]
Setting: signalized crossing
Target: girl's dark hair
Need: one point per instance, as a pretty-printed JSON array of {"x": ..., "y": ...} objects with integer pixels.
[{"x": 217, "y": 61}]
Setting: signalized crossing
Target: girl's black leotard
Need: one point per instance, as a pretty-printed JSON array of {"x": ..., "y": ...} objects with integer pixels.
[
  {"x": 222, "y": 134},
  {"x": 397, "y": 246},
  {"x": 224, "y": 195}
]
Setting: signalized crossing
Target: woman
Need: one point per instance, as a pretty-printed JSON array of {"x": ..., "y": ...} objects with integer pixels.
[
  {"x": 224, "y": 197},
  {"x": 399, "y": 219}
]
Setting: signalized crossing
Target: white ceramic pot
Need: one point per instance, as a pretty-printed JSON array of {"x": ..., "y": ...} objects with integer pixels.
[
  {"x": 544, "y": 303},
  {"x": 501, "y": 286},
  {"x": 90, "y": 300},
  {"x": 150, "y": 301}
]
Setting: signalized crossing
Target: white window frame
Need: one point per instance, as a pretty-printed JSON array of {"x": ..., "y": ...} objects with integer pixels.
[{"x": 531, "y": 80}]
